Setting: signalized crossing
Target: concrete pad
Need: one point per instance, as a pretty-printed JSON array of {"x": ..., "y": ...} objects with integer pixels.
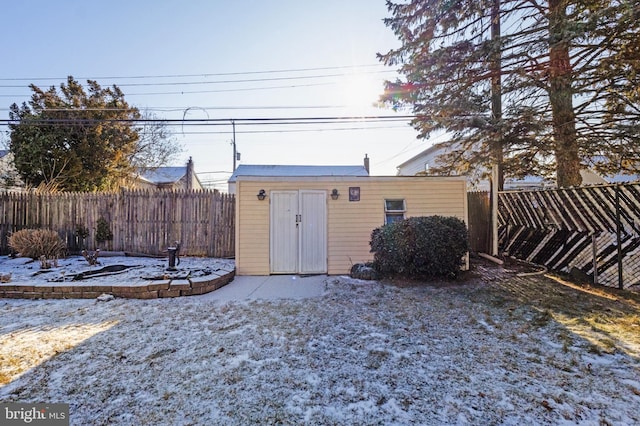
[{"x": 272, "y": 287}]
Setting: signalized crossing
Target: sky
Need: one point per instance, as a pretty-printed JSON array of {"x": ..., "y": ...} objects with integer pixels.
[{"x": 228, "y": 60}]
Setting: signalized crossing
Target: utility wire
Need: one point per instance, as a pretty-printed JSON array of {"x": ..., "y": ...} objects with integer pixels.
[
  {"x": 288, "y": 121},
  {"x": 205, "y": 75},
  {"x": 215, "y": 121},
  {"x": 246, "y": 80},
  {"x": 319, "y": 130},
  {"x": 192, "y": 92},
  {"x": 175, "y": 109}
]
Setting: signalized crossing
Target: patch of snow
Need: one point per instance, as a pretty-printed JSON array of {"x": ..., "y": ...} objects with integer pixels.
[
  {"x": 24, "y": 270},
  {"x": 105, "y": 298}
]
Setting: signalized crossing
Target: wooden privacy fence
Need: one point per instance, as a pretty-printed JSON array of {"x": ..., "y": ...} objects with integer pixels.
[
  {"x": 594, "y": 229},
  {"x": 141, "y": 221},
  {"x": 479, "y": 208}
]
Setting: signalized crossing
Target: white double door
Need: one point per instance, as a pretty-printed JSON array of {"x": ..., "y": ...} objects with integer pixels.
[{"x": 298, "y": 237}]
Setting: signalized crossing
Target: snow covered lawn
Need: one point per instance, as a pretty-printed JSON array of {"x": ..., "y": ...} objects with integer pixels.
[{"x": 498, "y": 349}]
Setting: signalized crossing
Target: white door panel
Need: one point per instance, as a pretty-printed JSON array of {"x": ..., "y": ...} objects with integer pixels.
[
  {"x": 313, "y": 232},
  {"x": 298, "y": 240},
  {"x": 284, "y": 239}
]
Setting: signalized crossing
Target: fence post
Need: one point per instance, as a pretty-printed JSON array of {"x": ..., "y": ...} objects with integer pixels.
[
  {"x": 595, "y": 257},
  {"x": 618, "y": 238},
  {"x": 494, "y": 209}
]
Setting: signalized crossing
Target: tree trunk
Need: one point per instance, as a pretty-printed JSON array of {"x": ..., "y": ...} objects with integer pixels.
[{"x": 561, "y": 97}]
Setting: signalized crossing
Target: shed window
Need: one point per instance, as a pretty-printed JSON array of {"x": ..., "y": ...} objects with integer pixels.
[{"x": 394, "y": 210}]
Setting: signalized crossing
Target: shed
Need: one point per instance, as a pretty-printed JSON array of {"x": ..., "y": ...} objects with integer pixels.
[{"x": 323, "y": 224}]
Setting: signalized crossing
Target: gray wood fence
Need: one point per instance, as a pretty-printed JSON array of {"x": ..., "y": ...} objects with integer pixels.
[{"x": 141, "y": 221}]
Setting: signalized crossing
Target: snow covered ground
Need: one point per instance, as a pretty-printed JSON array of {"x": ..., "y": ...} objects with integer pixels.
[
  {"x": 24, "y": 270},
  {"x": 362, "y": 353}
]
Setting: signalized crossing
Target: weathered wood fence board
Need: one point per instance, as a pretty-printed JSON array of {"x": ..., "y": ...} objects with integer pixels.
[
  {"x": 141, "y": 221},
  {"x": 479, "y": 207},
  {"x": 563, "y": 228}
]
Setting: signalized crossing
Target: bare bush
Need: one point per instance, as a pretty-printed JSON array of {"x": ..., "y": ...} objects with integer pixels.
[{"x": 41, "y": 244}]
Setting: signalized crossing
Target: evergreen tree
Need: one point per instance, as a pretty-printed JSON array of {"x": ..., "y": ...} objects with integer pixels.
[
  {"x": 75, "y": 140},
  {"x": 568, "y": 75}
]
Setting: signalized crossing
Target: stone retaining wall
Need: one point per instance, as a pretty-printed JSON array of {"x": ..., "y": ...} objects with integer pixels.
[{"x": 138, "y": 290}]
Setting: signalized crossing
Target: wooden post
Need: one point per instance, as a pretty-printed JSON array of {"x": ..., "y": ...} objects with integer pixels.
[
  {"x": 494, "y": 209},
  {"x": 235, "y": 152},
  {"x": 618, "y": 238},
  {"x": 595, "y": 257}
]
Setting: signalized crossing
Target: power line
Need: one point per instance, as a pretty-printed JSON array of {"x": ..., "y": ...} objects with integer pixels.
[
  {"x": 215, "y": 121},
  {"x": 319, "y": 130},
  {"x": 175, "y": 109},
  {"x": 283, "y": 121},
  {"x": 195, "y": 92},
  {"x": 246, "y": 80},
  {"x": 203, "y": 75}
]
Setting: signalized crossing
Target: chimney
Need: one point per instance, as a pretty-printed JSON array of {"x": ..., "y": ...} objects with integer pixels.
[
  {"x": 366, "y": 163},
  {"x": 189, "y": 174}
]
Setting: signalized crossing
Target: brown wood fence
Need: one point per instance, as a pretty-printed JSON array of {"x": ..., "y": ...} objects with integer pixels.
[
  {"x": 479, "y": 208},
  {"x": 593, "y": 231},
  {"x": 142, "y": 221}
]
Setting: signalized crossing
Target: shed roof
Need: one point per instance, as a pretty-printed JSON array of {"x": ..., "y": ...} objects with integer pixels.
[{"x": 294, "y": 171}]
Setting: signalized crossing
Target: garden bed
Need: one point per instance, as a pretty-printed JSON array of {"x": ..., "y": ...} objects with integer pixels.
[{"x": 122, "y": 276}]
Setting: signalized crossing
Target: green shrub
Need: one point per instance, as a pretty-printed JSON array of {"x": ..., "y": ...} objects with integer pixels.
[
  {"x": 82, "y": 231},
  {"x": 103, "y": 231},
  {"x": 37, "y": 244},
  {"x": 420, "y": 247}
]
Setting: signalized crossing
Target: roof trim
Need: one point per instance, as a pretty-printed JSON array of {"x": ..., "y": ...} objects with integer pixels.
[
  {"x": 268, "y": 170},
  {"x": 346, "y": 178}
]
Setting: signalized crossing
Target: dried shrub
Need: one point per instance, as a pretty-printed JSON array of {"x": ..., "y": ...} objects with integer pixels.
[{"x": 38, "y": 244}]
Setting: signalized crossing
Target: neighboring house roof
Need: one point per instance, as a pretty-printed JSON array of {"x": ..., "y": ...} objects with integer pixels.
[
  {"x": 290, "y": 171},
  {"x": 424, "y": 162},
  {"x": 623, "y": 178},
  {"x": 618, "y": 177},
  {"x": 527, "y": 182},
  {"x": 163, "y": 175},
  {"x": 433, "y": 151},
  {"x": 171, "y": 177},
  {"x": 417, "y": 164}
]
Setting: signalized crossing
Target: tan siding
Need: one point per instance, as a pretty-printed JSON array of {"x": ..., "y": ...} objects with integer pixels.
[
  {"x": 252, "y": 238},
  {"x": 349, "y": 223}
]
